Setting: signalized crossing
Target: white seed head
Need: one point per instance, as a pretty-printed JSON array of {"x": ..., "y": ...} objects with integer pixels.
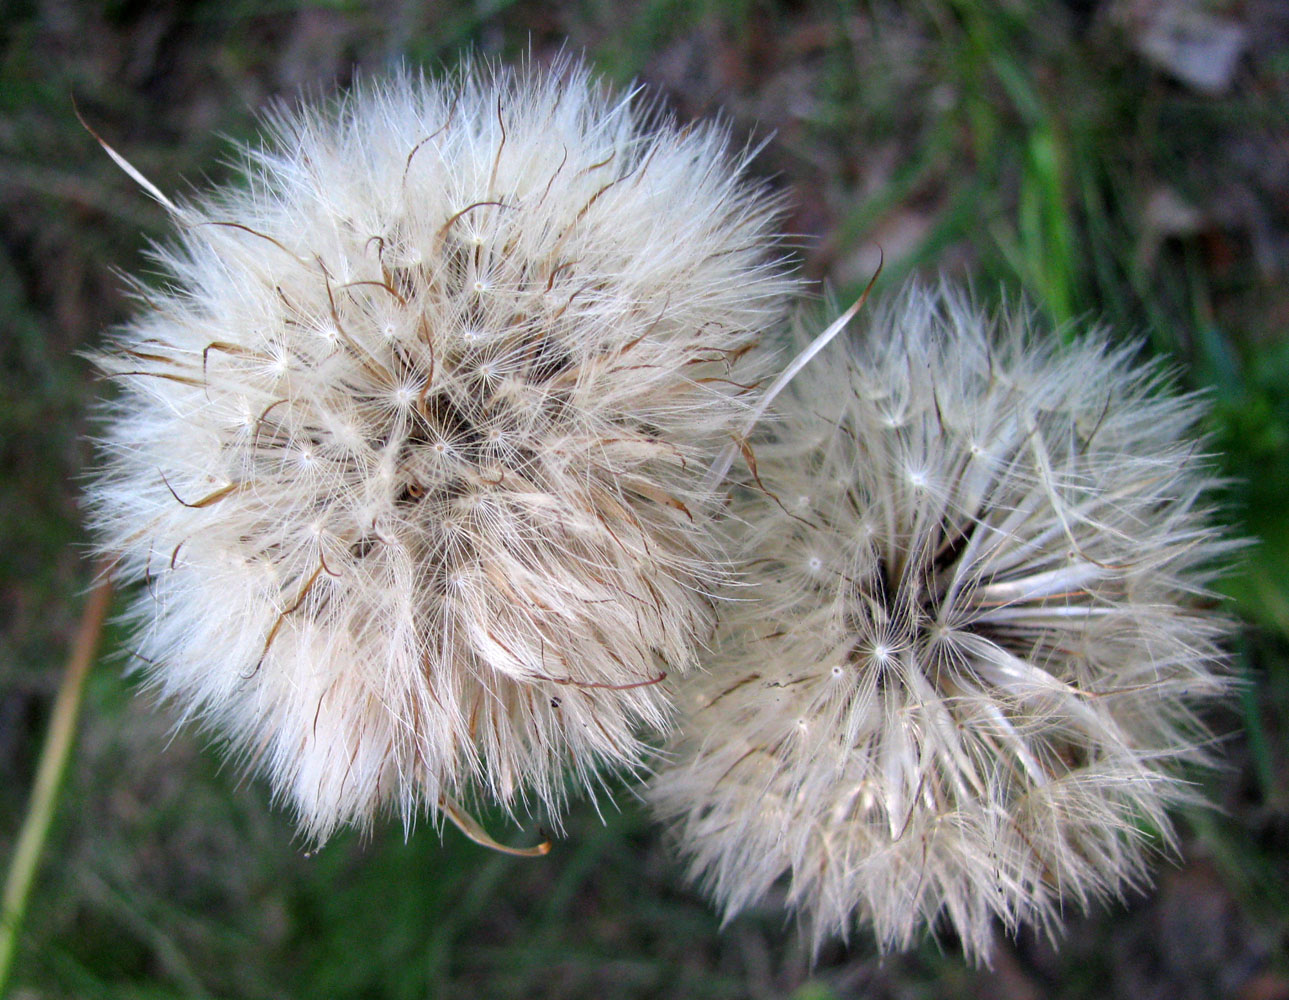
[
  {"x": 974, "y": 628},
  {"x": 409, "y": 449}
]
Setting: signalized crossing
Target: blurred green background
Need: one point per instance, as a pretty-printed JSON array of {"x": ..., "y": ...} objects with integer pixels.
[{"x": 1124, "y": 161}]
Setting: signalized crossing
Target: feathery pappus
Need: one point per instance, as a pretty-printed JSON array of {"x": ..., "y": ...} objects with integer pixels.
[
  {"x": 971, "y": 636},
  {"x": 409, "y": 446}
]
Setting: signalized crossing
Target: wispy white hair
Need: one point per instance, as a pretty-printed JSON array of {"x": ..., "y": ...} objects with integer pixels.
[
  {"x": 974, "y": 626},
  {"x": 409, "y": 448}
]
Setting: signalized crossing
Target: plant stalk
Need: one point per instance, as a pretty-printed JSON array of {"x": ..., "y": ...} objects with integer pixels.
[{"x": 49, "y": 773}]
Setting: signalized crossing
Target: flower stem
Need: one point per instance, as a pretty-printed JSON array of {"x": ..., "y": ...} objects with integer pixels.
[{"x": 49, "y": 773}]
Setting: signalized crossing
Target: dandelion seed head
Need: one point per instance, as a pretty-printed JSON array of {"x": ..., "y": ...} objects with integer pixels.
[
  {"x": 1019, "y": 552},
  {"x": 409, "y": 448}
]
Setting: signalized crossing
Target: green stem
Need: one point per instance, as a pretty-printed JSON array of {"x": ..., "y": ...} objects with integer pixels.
[{"x": 49, "y": 774}]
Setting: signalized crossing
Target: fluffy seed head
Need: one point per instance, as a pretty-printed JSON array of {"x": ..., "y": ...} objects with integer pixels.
[
  {"x": 974, "y": 625},
  {"x": 409, "y": 449}
]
